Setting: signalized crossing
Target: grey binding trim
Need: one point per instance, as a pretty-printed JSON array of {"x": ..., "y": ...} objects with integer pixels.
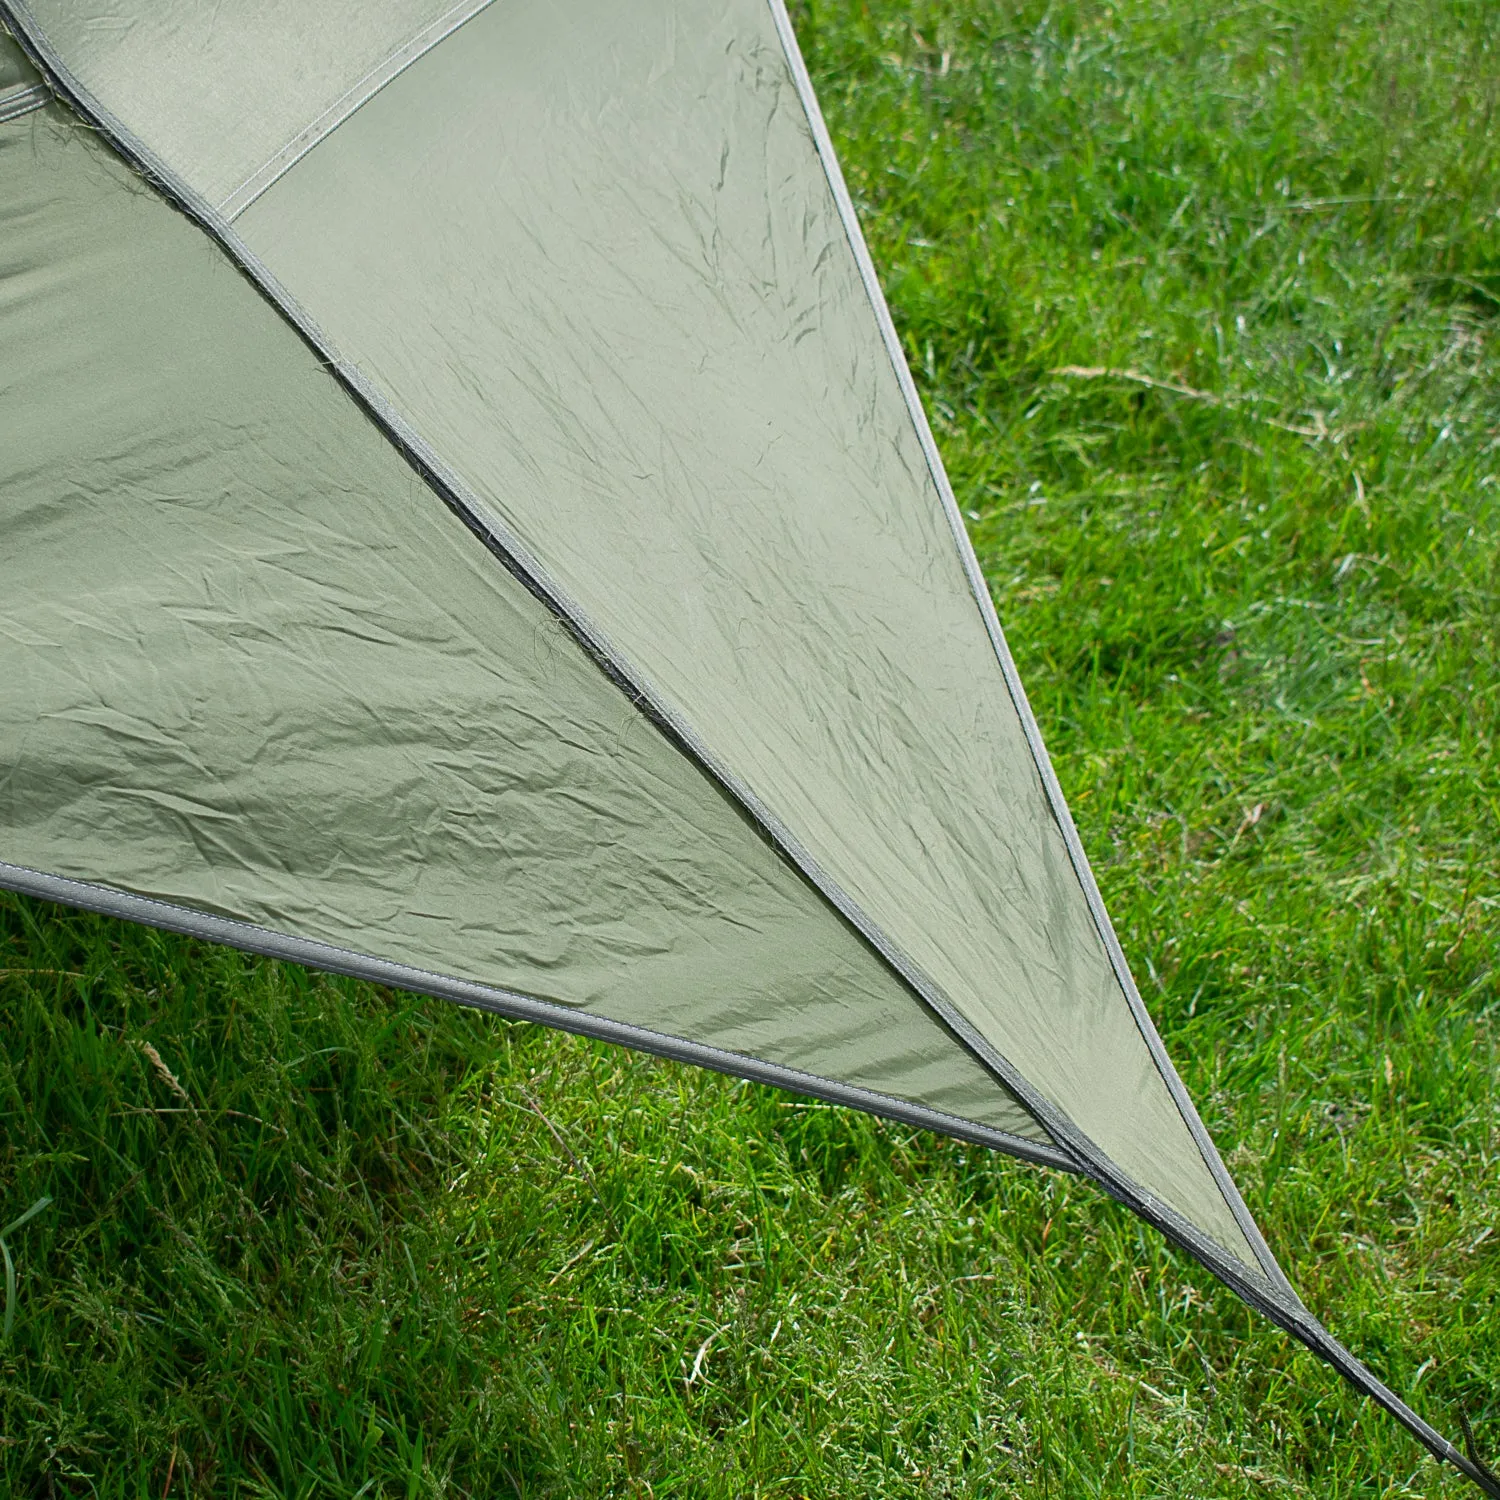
[
  {"x": 22, "y": 100},
  {"x": 980, "y": 590},
  {"x": 353, "y": 98},
  {"x": 516, "y": 1007},
  {"x": 1274, "y": 1299}
]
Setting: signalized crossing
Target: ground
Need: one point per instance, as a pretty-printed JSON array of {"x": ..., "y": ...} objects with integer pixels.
[{"x": 1201, "y": 298}]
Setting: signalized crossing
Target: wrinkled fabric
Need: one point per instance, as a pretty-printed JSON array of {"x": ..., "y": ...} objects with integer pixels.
[
  {"x": 251, "y": 665},
  {"x": 590, "y": 252}
]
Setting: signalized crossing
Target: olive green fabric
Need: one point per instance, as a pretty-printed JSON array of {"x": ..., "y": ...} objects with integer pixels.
[
  {"x": 231, "y": 93},
  {"x": 590, "y": 253},
  {"x": 253, "y": 666},
  {"x": 15, "y": 70}
]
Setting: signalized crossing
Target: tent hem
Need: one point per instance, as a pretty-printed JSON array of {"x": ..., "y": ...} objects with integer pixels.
[
  {"x": 316, "y": 954},
  {"x": 1260, "y": 1294},
  {"x": 1291, "y": 1316}
]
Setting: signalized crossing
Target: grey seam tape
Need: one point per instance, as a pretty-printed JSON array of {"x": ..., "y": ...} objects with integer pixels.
[
  {"x": 1275, "y": 1299},
  {"x": 346, "y": 104},
  {"x": 22, "y": 100},
  {"x": 980, "y": 589},
  {"x": 326, "y": 956}
]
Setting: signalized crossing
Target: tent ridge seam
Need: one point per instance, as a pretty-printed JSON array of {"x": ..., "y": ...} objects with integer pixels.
[
  {"x": 354, "y": 98},
  {"x": 332, "y": 958},
  {"x": 979, "y": 588}
]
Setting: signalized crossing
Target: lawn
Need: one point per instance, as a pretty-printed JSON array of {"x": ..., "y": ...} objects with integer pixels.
[{"x": 1201, "y": 298}]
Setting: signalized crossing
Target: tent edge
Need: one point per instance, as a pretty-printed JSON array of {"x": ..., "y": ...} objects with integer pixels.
[
  {"x": 1052, "y": 787},
  {"x": 312, "y": 953},
  {"x": 1275, "y": 1298}
]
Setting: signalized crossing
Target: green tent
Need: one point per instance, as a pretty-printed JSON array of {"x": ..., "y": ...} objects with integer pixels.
[{"x": 466, "y": 521}]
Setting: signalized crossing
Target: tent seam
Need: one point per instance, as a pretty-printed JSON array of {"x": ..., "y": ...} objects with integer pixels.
[
  {"x": 354, "y": 98},
  {"x": 333, "y": 958},
  {"x": 978, "y": 587}
]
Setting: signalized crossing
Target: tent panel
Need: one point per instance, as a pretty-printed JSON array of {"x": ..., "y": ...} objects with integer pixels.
[
  {"x": 231, "y": 93},
  {"x": 591, "y": 255},
  {"x": 254, "y": 667}
]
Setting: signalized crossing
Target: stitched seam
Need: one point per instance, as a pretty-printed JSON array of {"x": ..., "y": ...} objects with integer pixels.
[
  {"x": 316, "y": 952},
  {"x": 352, "y": 99}
]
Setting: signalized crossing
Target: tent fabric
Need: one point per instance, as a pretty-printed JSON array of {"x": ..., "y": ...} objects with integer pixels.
[
  {"x": 679, "y": 725},
  {"x": 640, "y": 336},
  {"x": 21, "y": 89},
  {"x": 591, "y": 257},
  {"x": 15, "y": 70},
  {"x": 254, "y": 667}
]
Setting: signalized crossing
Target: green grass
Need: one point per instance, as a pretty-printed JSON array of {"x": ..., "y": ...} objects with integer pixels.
[{"x": 361, "y": 1245}]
